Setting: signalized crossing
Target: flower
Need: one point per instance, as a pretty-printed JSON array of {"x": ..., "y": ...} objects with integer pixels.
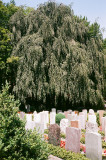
[
  {"x": 62, "y": 144},
  {"x": 83, "y": 148},
  {"x": 100, "y": 128},
  {"x": 45, "y": 136}
]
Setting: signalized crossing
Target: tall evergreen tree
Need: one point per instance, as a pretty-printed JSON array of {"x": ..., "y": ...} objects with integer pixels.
[{"x": 61, "y": 60}]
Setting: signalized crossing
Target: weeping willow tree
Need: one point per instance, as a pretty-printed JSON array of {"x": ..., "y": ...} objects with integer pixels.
[{"x": 60, "y": 58}]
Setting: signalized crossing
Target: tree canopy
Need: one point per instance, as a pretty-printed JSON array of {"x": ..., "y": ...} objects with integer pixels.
[{"x": 61, "y": 58}]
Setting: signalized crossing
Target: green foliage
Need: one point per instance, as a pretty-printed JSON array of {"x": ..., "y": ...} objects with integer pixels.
[
  {"x": 104, "y": 114},
  {"x": 46, "y": 131},
  {"x": 102, "y": 133},
  {"x": 66, "y": 155},
  {"x": 61, "y": 58},
  {"x": 82, "y": 140},
  {"x": 83, "y": 130},
  {"x": 63, "y": 135},
  {"x": 6, "y": 11},
  {"x": 59, "y": 117},
  {"x": 97, "y": 119},
  {"x": 15, "y": 142},
  {"x": 103, "y": 144}
]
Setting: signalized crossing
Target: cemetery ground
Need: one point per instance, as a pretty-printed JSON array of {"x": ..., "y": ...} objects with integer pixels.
[
  {"x": 68, "y": 135},
  {"x": 80, "y": 133}
]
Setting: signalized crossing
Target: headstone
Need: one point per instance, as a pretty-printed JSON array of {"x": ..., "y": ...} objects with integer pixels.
[
  {"x": 92, "y": 118},
  {"x": 73, "y": 139},
  {"x": 39, "y": 127},
  {"x": 53, "y": 110},
  {"x": 30, "y": 125},
  {"x": 28, "y": 117},
  {"x": 54, "y": 134},
  {"x": 75, "y": 124},
  {"x": 101, "y": 115},
  {"x": 93, "y": 146},
  {"x": 44, "y": 119},
  {"x": 103, "y": 121},
  {"x": 47, "y": 116},
  {"x": 91, "y": 127},
  {"x": 85, "y": 112},
  {"x": 63, "y": 125},
  {"x": 82, "y": 120},
  {"x": 52, "y": 117},
  {"x": 66, "y": 113},
  {"x": 105, "y": 134},
  {"x": 70, "y": 111},
  {"x": 51, "y": 157},
  {"x": 91, "y": 111},
  {"x": 34, "y": 112},
  {"x": 22, "y": 115},
  {"x": 37, "y": 118},
  {"x": 59, "y": 111}
]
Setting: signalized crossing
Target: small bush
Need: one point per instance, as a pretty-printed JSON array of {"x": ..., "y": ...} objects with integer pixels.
[
  {"x": 82, "y": 140},
  {"x": 102, "y": 133},
  {"x": 104, "y": 114},
  {"x": 97, "y": 119},
  {"x": 103, "y": 144},
  {"x": 15, "y": 142},
  {"x": 46, "y": 131},
  {"x": 83, "y": 130},
  {"x": 59, "y": 116},
  {"x": 63, "y": 154},
  {"x": 63, "y": 135}
]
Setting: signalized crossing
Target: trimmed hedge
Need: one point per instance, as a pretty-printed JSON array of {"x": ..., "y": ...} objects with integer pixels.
[
  {"x": 59, "y": 117},
  {"x": 66, "y": 155}
]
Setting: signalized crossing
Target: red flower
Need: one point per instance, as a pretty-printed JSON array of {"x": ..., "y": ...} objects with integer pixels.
[{"x": 62, "y": 144}]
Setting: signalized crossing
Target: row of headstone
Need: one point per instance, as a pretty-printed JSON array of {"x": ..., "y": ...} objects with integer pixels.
[{"x": 72, "y": 142}]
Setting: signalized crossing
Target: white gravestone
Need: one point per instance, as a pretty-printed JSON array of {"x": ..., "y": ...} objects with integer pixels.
[
  {"x": 91, "y": 127},
  {"x": 37, "y": 118},
  {"x": 93, "y": 146},
  {"x": 28, "y": 117},
  {"x": 92, "y": 118},
  {"x": 91, "y": 111},
  {"x": 63, "y": 125},
  {"x": 40, "y": 127},
  {"x": 22, "y": 114},
  {"x": 52, "y": 117},
  {"x": 85, "y": 112},
  {"x": 43, "y": 119},
  {"x": 30, "y": 125},
  {"x": 54, "y": 110},
  {"x": 47, "y": 116},
  {"x": 103, "y": 120},
  {"x": 82, "y": 121}
]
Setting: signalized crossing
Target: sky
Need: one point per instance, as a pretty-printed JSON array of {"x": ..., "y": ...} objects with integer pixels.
[{"x": 94, "y": 10}]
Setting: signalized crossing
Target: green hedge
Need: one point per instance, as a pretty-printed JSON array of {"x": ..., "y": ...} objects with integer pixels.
[
  {"x": 59, "y": 117},
  {"x": 66, "y": 155}
]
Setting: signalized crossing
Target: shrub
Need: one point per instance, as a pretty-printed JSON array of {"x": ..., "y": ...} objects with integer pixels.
[
  {"x": 104, "y": 114},
  {"x": 66, "y": 155},
  {"x": 102, "y": 133},
  {"x": 63, "y": 135},
  {"x": 97, "y": 119},
  {"x": 15, "y": 142},
  {"x": 83, "y": 130},
  {"x": 46, "y": 131},
  {"x": 54, "y": 134},
  {"x": 82, "y": 140},
  {"x": 103, "y": 144},
  {"x": 59, "y": 116}
]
